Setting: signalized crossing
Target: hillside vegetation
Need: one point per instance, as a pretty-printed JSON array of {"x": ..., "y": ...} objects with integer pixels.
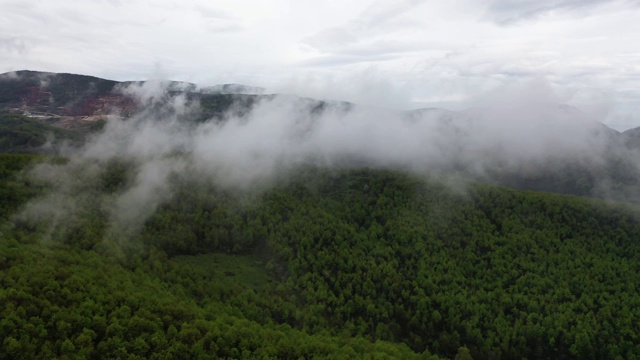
[
  {"x": 328, "y": 263},
  {"x": 556, "y": 148},
  {"x": 20, "y": 134}
]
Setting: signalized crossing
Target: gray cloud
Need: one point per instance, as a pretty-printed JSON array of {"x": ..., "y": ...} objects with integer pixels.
[
  {"x": 506, "y": 12},
  {"x": 364, "y": 51},
  {"x": 13, "y": 44},
  {"x": 367, "y": 32},
  {"x": 344, "y": 59},
  {"x": 212, "y": 13},
  {"x": 217, "y": 20}
]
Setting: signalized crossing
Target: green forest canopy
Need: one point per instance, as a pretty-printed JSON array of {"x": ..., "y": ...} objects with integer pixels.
[{"x": 328, "y": 264}]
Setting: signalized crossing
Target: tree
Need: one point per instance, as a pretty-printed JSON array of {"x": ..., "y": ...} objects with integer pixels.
[{"x": 463, "y": 354}]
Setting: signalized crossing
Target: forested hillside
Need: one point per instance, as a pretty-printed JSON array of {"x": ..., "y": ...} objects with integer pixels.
[
  {"x": 554, "y": 147},
  {"x": 19, "y": 134},
  {"x": 323, "y": 263}
]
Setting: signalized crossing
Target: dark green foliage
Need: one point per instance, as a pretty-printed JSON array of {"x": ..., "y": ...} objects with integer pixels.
[
  {"x": 62, "y": 302},
  {"x": 385, "y": 256},
  {"x": 116, "y": 175},
  {"x": 452, "y": 268},
  {"x": 329, "y": 263},
  {"x": 202, "y": 219},
  {"x": 97, "y": 126},
  {"x": 19, "y": 134},
  {"x": 15, "y": 189}
]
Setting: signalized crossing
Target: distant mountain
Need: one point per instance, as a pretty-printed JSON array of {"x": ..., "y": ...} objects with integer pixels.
[
  {"x": 631, "y": 137},
  {"x": 545, "y": 147},
  {"x": 79, "y": 102},
  {"x": 69, "y": 101},
  {"x": 233, "y": 89},
  {"x": 548, "y": 147}
]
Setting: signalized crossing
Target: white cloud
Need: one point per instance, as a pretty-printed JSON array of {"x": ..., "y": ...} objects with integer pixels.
[
  {"x": 508, "y": 12},
  {"x": 423, "y": 50}
]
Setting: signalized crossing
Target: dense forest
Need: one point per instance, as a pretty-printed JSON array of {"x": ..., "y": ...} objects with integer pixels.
[
  {"x": 19, "y": 134},
  {"x": 323, "y": 263}
]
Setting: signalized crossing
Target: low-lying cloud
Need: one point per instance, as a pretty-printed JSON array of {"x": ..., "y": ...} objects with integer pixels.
[{"x": 508, "y": 131}]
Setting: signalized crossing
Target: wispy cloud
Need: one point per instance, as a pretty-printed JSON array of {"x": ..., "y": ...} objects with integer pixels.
[
  {"x": 13, "y": 44},
  {"x": 508, "y": 130},
  {"x": 370, "y": 33},
  {"x": 507, "y": 12}
]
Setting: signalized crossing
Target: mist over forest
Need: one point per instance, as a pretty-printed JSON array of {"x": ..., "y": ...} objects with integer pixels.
[
  {"x": 152, "y": 219},
  {"x": 520, "y": 137}
]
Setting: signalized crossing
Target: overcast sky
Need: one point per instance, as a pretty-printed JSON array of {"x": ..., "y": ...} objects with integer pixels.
[{"x": 394, "y": 53}]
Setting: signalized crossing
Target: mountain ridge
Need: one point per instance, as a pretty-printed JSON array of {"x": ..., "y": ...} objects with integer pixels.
[
  {"x": 546, "y": 147},
  {"x": 105, "y": 86}
]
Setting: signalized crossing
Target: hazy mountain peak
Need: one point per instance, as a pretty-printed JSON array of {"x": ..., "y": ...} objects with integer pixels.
[{"x": 232, "y": 89}]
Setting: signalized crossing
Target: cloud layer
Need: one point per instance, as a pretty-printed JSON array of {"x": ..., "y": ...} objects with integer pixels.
[{"x": 427, "y": 53}]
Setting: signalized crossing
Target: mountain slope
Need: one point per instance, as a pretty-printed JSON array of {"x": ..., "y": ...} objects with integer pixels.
[
  {"x": 75, "y": 101},
  {"x": 349, "y": 255},
  {"x": 632, "y": 137},
  {"x": 547, "y": 147},
  {"x": 60, "y": 93},
  {"x": 20, "y": 134}
]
